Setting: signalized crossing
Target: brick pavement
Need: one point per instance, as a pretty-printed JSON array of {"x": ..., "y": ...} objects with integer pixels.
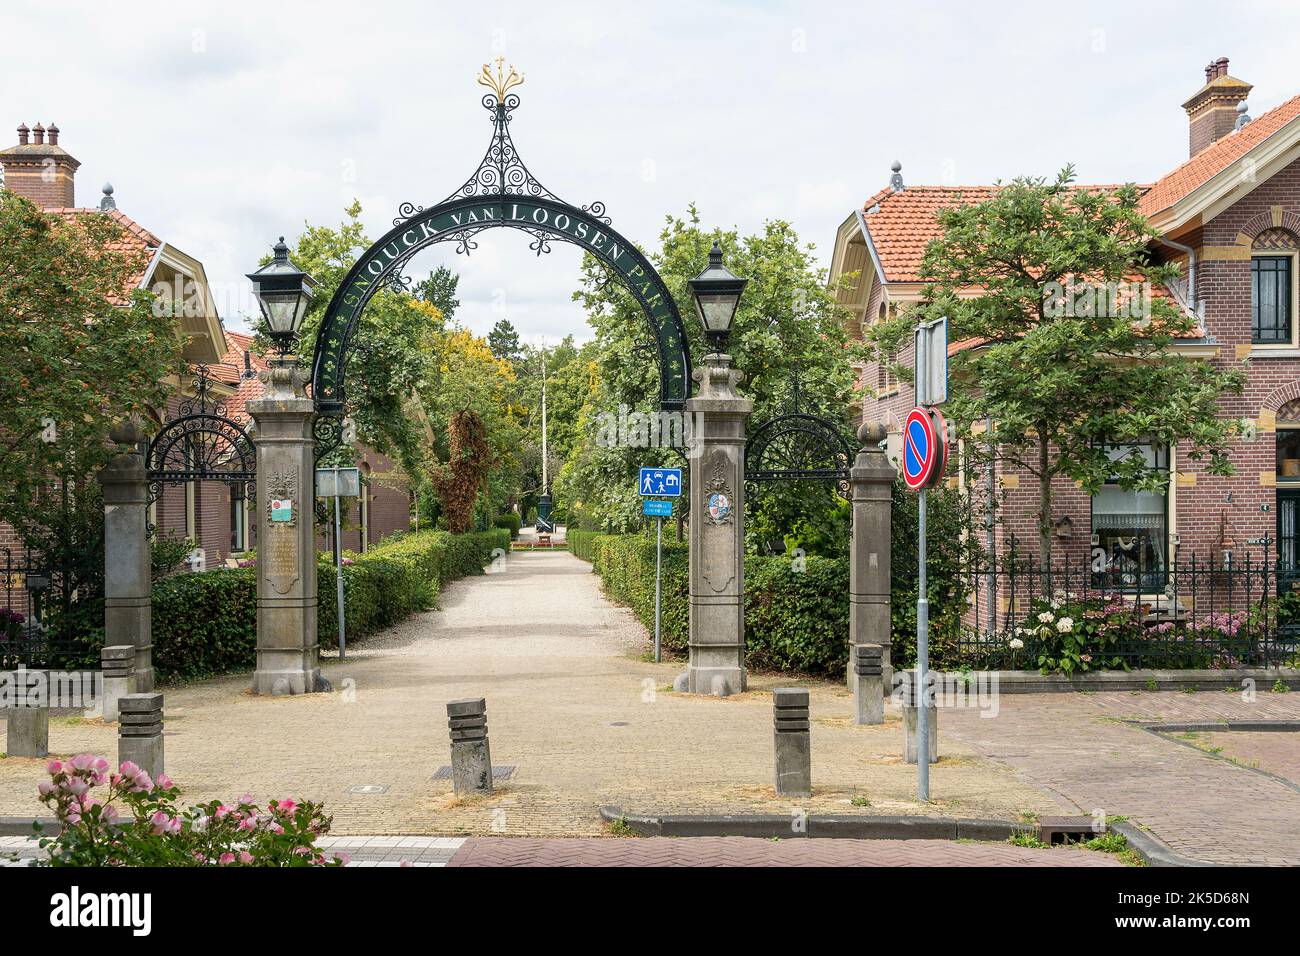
[
  {"x": 1087, "y": 751},
  {"x": 748, "y": 851}
]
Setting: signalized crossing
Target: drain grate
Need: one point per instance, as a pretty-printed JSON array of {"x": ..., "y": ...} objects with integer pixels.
[
  {"x": 369, "y": 788},
  {"x": 500, "y": 772}
]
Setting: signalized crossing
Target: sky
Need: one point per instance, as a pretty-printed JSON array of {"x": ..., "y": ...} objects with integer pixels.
[{"x": 223, "y": 125}]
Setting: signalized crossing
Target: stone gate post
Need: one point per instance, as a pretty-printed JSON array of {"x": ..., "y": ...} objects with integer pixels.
[
  {"x": 717, "y": 541},
  {"x": 871, "y": 481},
  {"x": 127, "y": 573},
  {"x": 288, "y": 653}
]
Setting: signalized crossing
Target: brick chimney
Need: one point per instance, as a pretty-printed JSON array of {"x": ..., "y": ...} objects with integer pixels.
[
  {"x": 1212, "y": 110},
  {"x": 40, "y": 170}
]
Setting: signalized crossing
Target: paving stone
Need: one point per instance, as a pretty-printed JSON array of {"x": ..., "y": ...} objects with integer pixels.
[{"x": 747, "y": 851}]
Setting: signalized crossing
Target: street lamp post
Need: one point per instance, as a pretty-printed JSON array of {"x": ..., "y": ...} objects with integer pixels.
[
  {"x": 288, "y": 652},
  {"x": 718, "y": 416},
  {"x": 717, "y": 291}
]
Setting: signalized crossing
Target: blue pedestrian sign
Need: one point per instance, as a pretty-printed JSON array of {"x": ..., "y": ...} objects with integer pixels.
[
  {"x": 660, "y": 482},
  {"x": 652, "y": 508}
]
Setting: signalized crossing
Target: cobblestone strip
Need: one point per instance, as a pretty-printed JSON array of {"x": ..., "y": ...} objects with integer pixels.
[{"x": 745, "y": 851}]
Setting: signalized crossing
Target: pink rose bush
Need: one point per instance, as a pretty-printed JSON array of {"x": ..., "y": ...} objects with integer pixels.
[{"x": 126, "y": 818}]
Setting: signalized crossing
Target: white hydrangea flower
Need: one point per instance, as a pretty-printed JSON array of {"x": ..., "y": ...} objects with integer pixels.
[
  {"x": 1065, "y": 625},
  {"x": 1016, "y": 643},
  {"x": 1046, "y": 617}
]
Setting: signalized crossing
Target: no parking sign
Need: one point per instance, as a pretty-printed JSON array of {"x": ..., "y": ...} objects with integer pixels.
[{"x": 925, "y": 448}]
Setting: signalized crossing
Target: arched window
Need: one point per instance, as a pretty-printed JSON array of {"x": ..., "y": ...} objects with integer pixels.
[{"x": 1273, "y": 288}]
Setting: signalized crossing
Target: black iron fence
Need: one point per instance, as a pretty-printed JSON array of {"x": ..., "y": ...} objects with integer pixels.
[
  {"x": 1075, "y": 616},
  {"x": 33, "y": 594}
]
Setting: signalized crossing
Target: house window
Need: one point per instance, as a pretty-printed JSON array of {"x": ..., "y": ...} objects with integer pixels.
[
  {"x": 238, "y": 508},
  {"x": 1130, "y": 528},
  {"x": 1270, "y": 300}
]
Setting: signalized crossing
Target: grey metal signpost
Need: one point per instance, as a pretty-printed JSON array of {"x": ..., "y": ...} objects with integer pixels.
[
  {"x": 931, "y": 360},
  {"x": 338, "y": 483},
  {"x": 666, "y": 482}
]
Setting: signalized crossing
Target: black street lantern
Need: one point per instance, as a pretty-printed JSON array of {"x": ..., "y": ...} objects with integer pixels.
[
  {"x": 717, "y": 293},
  {"x": 283, "y": 292}
]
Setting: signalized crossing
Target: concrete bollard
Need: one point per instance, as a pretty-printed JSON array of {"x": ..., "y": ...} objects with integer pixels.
[
  {"x": 471, "y": 761},
  {"x": 117, "y": 664},
  {"x": 27, "y": 719},
  {"x": 911, "y": 714},
  {"x": 869, "y": 688},
  {"x": 140, "y": 732},
  {"x": 793, "y": 742}
]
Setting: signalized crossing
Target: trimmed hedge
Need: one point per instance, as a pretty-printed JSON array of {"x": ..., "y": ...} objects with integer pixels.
[
  {"x": 206, "y": 624},
  {"x": 794, "y": 621}
]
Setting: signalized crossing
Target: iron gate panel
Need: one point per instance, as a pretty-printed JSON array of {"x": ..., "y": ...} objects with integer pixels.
[{"x": 201, "y": 444}]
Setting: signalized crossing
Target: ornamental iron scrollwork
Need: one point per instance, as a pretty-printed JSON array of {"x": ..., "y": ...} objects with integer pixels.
[
  {"x": 202, "y": 443},
  {"x": 500, "y": 193},
  {"x": 799, "y": 446}
]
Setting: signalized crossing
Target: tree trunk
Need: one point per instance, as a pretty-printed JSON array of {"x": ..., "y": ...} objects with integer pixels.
[{"x": 1044, "y": 515}]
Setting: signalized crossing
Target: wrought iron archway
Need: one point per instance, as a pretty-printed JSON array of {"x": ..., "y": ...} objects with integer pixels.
[
  {"x": 501, "y": 193},
  {"x": 799, "y": 445},
  {"x": 201, "y": 444}
]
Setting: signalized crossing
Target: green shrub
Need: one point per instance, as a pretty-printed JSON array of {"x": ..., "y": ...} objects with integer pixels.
[
  {"x": 510, "y": 521},
  {"x": 799, "y": 620}
]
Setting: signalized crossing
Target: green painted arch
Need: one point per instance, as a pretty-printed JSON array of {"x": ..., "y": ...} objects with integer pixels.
[{"x": 458, "y": 221}]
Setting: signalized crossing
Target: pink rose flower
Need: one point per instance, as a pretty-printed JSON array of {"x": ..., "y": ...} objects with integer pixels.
[
  {"x": 245, "y": 857},
  {"x": 164, "y": 781},
  {"x": 44, "y": 788},
  {"x": 288, "y": 806},
  {"x": 226, "y": 859},
  {"x": 53, "y": 768},
  {"x": 129, "y": 770},
  {"x": 163, "y": 824}
]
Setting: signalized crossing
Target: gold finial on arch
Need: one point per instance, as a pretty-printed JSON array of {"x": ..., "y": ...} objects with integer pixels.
[{"x": 503, "y": 82}]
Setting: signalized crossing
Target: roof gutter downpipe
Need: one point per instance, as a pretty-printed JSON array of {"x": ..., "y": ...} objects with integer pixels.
[{"x": 1191, "y": 272}]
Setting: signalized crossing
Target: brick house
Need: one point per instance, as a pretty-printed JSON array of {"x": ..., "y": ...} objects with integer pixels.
[
  {"x": 41, "y": 170},
  {"x": 1230, "y": 217}
]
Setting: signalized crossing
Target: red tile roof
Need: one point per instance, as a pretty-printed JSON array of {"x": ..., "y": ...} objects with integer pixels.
[
  {"x": 231, "y": 371},
  {"x": 903, "y": 223},
  {"x": 136, "y": 238},
  {"x": 1212, "y": 160}
]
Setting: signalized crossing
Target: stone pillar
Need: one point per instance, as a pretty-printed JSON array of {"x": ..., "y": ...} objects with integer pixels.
[
  {"x": 871, "y": 480},
  {"x": 116, "y": 664},
  {"x": 288, "y": 653},
  {"x": 792, "y": 733},
  {"x": 717, "y": 548},
  {"x": 140, "y": 733},
  {"x": 27, "y": 719},
  {"x": 911, "y": 714},
  {"x": 471, "y": 760},
  {"x": 127, "y": 572},
  {"x": 868, "y": 687}
]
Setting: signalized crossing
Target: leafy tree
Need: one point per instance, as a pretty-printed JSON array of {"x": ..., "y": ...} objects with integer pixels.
[
  {"x": 1057, "y": 361},
  {"x": 80, "y": 345},
  {"x": 787, "y": 320},
  {"x": 504, "y": 340},
  {"x": 460, "y": 480},
  {"x": 439, "y": 290}
]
